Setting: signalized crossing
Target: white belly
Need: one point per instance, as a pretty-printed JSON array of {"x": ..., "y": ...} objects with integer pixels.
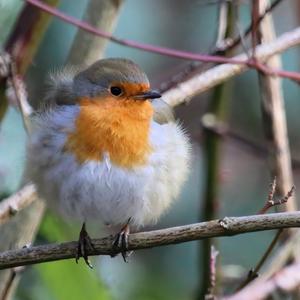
[{"x": 100, "y": 190}]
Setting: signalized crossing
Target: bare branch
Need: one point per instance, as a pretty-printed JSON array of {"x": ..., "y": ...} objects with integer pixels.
[
  {"x": 253, "y": 273},
  {"x": 271, "y": 202},
  {"x": 88, "y": 48},
  {"x": 237, "y": 40},
  {"x": 22, "y": 44},
  {"x": 12, "y": 205},
  {"x": 5, "y": 61},
  {"x": 275, "y": 128},
  {"x": 283, "y": 255},
  {"x": 275, "y": 117},
  {"x": 228, "y": 44},
  {"x": 214, "y": 76},
  {"x": 104, "y": 246},
  {"x": 151, "y": 48},
  {"x": 212, "y": 268},
  {"x": 286, "y": 280},
  {"x": 215, "y": 116},
  {"x": 19, "y": 94},
  {"x": 203, "y": 82},
  {"x": 129, "y": 43}
]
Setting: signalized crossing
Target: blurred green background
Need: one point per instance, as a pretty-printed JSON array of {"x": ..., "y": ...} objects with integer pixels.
[{"x": 172, "y": 272}]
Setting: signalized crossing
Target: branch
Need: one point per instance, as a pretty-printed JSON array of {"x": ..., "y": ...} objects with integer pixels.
[
  {"x": 226, "y": 45},
  {"x": 212, "y": 143},
  {"x": 205, "y": 81},
  {"x": 12, "y": 205},
  {"x": 235, "y": 42},
  {"x": 271, "y": 202},
  {"x": 223, "y": 129},
  {"x": 17, "y": 93},
  {"x": 212, "y": 276},
  {"x": 214, "y": 76},
  {"x": 253, "y": 273},
  {"x": 274, "y": 115},
  {"x": 283, "y": 255},
  {"x": 175, "y": 235},
  {"x": 286, "y": 280},
  {"x": 275, "y": 127},
  {"x": 129, "y": 43},
  {"x": 87, "y": 48},
  {"x": 22, "y": 44},
  {"x": 151, "y": 48}
]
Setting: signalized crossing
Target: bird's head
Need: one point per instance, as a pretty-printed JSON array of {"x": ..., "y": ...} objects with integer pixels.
[
  {"x": 116, "y": 78},
  {"x": 115, "y": 114}
]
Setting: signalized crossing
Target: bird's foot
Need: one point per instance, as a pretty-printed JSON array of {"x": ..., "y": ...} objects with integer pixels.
[
  {"x": 84, "y": 244},
  {"x": 121, "y": 241}
]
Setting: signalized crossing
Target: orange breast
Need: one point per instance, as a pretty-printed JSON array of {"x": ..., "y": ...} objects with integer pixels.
[{"x": 119, "y": 128}]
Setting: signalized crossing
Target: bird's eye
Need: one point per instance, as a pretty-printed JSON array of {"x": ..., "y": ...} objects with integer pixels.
[{"x": 116, "y": 91}]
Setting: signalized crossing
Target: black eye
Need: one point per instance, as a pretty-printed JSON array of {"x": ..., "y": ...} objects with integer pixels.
[{"x": 116, "y": 91}]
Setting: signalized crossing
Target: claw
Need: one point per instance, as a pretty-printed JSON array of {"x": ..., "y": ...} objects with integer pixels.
[
  {"x": 84, "y": 244},
  {"x": 121, "y": 241}
]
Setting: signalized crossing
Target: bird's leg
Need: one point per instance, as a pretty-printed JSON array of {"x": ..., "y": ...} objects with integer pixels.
[
  {"x": 121, "y": 241},
  {"x": 84, "y": 244}
]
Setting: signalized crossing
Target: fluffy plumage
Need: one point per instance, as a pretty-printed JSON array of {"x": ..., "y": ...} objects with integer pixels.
[
  {"x": 103, "y": 188},
  {"x": 118, "y": 128}
]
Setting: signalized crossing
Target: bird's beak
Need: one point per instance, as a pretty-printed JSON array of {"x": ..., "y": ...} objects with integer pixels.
[{"x": 147, "y": 95}]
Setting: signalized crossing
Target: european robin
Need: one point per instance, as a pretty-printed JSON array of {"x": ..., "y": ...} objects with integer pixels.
[{"x": 104, "y": 147}]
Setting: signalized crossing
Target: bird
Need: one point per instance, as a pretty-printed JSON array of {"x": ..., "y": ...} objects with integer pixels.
[{"x": 103, "y": 146}]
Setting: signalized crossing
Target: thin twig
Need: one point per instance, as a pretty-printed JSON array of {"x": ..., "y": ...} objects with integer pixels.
[
  {"x": 286, "y": 280},
  {"x": 20, "y": 94},
  {"x": 271, "y": 201},
  {"x": 5, "y": 60},
  {"x": 151, "y": 48},
  {"x": 87, "y": 48},
  {"x": 238, "y": 39},
  {"x": 206, "y": 80},
  {"x": 22, "y": 43},
  {"x": 209, "y": 122},
  {"x": 218, "y": 74},
  {"x": 129, "y": 43},
  {"x": 275, "y": 129},
  {"x": 8, "y": 291},
  {"x": 216, "y": 113},
  {"x": 252, "y": 274},
  {"x": 212, "y": 268},
  {"x": 104, "y": 246},
  {"x": 230, "y": 44},
  {"x": 273, "y": 110},
  {"x": 283, "y": 255},
  {"x": 275, "y": 126},
  {"x": 16, "y": 83}
]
